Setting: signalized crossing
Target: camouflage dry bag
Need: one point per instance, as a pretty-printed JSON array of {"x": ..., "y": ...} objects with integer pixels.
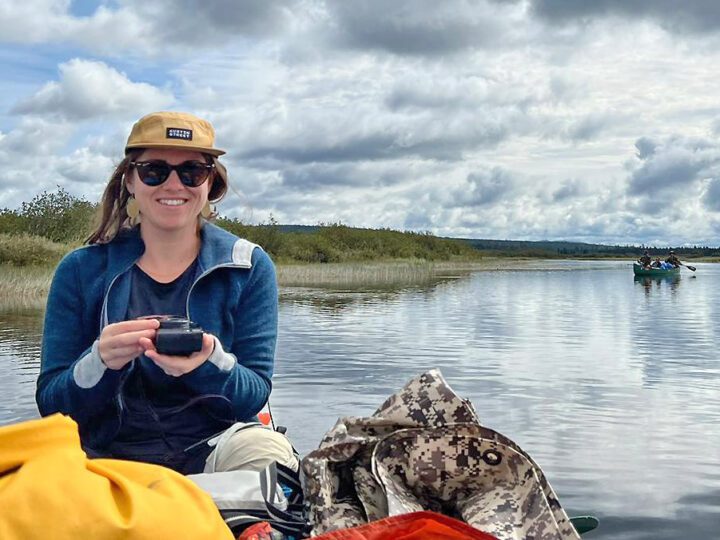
[{"x": 425, "y": 449}]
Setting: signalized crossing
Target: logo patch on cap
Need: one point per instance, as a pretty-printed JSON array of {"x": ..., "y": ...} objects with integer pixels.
[{"x": 179, "y": 133}]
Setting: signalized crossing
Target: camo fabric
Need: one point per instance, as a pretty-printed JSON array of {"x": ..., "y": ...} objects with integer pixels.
[
  {"x": 468, "y": 472},
  {"x": 424, "y": 449}
]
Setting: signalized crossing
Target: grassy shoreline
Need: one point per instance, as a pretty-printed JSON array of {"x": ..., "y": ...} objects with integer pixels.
[{"x": 26, "y": 287}]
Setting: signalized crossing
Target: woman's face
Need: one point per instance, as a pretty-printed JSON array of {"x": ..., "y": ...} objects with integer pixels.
[{"x": 171, "y": 206}]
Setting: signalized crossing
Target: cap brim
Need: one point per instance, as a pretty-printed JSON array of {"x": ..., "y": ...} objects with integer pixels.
[{"x": 212, "y": 151}]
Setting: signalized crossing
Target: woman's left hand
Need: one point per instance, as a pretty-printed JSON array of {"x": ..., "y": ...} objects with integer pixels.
[{"x": 175, "y": 366}]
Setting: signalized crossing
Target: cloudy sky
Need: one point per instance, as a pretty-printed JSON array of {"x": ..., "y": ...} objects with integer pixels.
[{"x": 509, "y": 119}]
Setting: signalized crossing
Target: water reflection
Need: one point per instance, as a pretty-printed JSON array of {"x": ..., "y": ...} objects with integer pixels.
[
  {"x": 20, "y": 335},
  {"x": 656, "y": 282},
  {"x": 336, "y": 299}
]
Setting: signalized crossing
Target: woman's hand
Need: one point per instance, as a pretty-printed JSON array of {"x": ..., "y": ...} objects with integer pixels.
[
  {"x": 121, "y": 342},
  {"x": 179, "y": 365}
]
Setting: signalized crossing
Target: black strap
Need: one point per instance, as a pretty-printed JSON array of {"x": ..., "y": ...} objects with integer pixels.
[
  {"x": 289, "y": 522},
  {"x": 269, "y": 478},
  {"x": 290, "y": 478}
]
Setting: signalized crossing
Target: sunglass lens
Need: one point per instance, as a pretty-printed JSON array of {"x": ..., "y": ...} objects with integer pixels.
[
  {"x": 193, "y": 173},
  {"x": 153, "y": 174}
]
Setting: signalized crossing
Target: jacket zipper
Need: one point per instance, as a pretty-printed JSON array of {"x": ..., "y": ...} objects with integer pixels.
[
  {"x": 103, "y": 324},
  {"x": 205, "y": 273}
]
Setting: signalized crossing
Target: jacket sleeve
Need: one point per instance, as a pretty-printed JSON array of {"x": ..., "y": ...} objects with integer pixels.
[
  {"x": 243, "y": 373},
  {"x": 73, "y": 380}
]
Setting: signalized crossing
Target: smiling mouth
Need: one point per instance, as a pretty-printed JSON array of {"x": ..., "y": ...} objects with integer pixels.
[{"x": 172, "y": 202}]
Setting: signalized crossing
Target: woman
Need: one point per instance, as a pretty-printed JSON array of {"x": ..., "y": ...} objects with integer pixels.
[{"x": 154, "y": 253}]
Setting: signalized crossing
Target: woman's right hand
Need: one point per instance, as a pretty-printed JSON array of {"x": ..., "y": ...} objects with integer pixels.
[{"x": 120, "y": 342}]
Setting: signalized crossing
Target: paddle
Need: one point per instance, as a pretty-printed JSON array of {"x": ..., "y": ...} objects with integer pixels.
[
  {"x": 584, "y": 524},
  {"x": 688, "y": 267}
]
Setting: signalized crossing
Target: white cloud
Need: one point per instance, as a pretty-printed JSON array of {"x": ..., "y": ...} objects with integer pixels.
[
  {"x": 673, "y": 15},
  {"x": 89, "y": 89},
  {"x": 34, "y": 21},
  {"x": 34, "y": 138},
  {"x": 161, "y": 27},
  {"x": 673, "y": 166},
  {"x": 85, "y": 167},
  {"x": 422, "y": 27},
  {"x": 27, "y": 157}
]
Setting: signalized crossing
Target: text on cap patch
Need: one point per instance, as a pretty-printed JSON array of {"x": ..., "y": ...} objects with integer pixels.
[{"x": 179, "y": 133}]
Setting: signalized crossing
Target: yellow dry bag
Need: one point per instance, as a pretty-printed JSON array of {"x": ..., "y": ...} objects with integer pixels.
[{"x": 50, "y": 489}]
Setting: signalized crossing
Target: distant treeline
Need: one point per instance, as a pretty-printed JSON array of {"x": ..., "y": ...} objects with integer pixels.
[
  {"x": 554, "y": 249},
  {"x": 42, "y": 230},
  {"x": 560, "y": 249}
]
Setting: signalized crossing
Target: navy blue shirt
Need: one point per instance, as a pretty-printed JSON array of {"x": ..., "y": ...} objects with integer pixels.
[
  {"x": 153, "y": 429},
  {"x": 150, "y": 297}
]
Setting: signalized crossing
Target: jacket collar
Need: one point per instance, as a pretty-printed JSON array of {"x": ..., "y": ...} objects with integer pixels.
[{"x": 218, "y": 247}]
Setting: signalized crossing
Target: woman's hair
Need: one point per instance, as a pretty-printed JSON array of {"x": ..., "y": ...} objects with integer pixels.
[{"x": 112, "y": 214}]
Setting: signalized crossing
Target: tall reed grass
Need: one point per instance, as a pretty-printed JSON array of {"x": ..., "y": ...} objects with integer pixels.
[
  {"x": 373, "y": 273},
  {"x": 24, "y": 287},
  {"x": 27, "y": 287}
]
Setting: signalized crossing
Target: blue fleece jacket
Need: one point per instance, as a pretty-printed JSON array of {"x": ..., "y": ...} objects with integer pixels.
[{"x": 234, "y": 299}]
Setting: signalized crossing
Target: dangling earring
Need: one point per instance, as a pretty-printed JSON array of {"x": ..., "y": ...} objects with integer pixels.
[
  {"x": 207, "y": 210},
  {"x": 132, "y": 210}
]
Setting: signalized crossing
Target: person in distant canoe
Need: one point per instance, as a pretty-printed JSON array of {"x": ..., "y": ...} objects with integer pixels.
[
  {"x": 656, "y": 263},
  {"x": 645, "y": 260},
  {"x": 673, "y": 259}
]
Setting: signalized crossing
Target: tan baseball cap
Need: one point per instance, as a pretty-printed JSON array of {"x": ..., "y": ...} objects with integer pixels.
[{"x": 173, "y": 130}]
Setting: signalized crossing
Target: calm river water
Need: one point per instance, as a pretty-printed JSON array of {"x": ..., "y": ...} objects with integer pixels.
[{"x": 612, "y": 384}]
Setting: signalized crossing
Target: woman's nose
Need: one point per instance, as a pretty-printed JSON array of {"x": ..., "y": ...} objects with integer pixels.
[{"x": 174, "y": 180}]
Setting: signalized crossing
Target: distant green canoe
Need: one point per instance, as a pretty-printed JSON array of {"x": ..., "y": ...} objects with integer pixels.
[{"x": 638, "y": 270}]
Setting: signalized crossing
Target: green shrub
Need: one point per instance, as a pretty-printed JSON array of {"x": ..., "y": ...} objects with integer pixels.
[
  {"x": 267, "y": 235},
  {"x": 29, "y": 250},
  {"x": 11, "y": 222},
  {"x": 311, "y": 248},
  {"x": 235, "y": 226},
  {"x": 58, "y": 216}
]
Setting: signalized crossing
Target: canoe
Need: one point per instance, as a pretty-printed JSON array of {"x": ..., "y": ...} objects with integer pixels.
[{"x": 638, "y": 270}]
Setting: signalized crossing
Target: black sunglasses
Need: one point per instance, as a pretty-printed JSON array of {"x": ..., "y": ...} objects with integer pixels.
[{"x": 155, "y": 172}]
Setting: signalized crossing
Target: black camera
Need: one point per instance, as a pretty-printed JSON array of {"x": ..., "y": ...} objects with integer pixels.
[{"x": 178, "y": 336}]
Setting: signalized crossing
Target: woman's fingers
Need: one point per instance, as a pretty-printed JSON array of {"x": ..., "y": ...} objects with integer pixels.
[
  {"x": 130, "y": 338},
  {"x": 147, "y": 344},
  {"x": 131, "y": 326},
  {"x": 121, "y": 342},
  {"x": 208, "y": 345}
]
